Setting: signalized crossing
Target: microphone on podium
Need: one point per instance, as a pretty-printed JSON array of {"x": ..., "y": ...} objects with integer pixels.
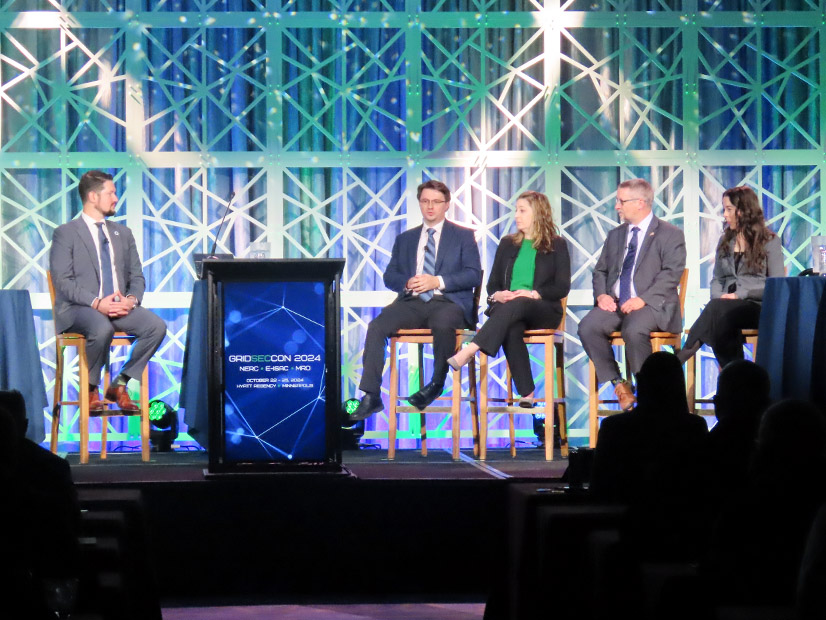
[{"x": 211, "y": 254}]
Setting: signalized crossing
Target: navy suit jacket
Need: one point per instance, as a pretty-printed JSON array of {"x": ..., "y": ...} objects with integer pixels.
[
  {"x": 73, "y": 261},
  {"x": 457, "y": 261}
]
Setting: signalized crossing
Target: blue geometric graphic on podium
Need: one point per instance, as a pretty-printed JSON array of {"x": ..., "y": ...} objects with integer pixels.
[{"x": 274, "y": 364}]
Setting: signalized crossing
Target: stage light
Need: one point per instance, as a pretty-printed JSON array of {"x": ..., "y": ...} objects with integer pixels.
[
  {"x": 163, "y": 421},
  {"x": 539, "y": 427},
  {"x": 350, "y": 405},
  {"x": 351, "y": 432}
]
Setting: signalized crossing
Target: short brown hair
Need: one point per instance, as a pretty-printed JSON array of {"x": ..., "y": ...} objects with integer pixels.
[
  {"x": 437, "y": 185},
  {"x": 92, "y": 181}
]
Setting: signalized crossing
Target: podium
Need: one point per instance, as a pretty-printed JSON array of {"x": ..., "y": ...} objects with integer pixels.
[{"x": 274, "y": 364}]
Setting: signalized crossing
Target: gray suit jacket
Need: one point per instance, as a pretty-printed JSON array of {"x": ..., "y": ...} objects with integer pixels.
[
  {"x": 73, "y": 261},
  {"x": 660, "y": 264},
  {"x": 749, "y": 282}
]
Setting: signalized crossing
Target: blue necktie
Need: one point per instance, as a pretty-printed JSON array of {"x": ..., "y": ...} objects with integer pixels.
[
  {"x": 628, "y": 267},
  {"x": 105, "y": 262},
  {"x": 429, "y": 265}
]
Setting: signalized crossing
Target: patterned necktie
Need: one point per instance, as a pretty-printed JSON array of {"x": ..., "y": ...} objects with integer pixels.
[
  {"x": 628, "y": 267},
  {"x": 105, "y": 262},
  {"x": 429, "y": 265}
]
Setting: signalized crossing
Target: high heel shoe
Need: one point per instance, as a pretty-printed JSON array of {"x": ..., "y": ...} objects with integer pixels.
[{"x": 454, "y": 363}]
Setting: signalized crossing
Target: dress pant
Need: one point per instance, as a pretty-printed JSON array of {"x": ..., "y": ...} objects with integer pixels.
[
  {"x": 147, "y": 327},
  {"x": 506, "y": 328},
  {"x": 719, "y": 326},
  {"x": 440, "y": 315},
  {"x": 636, "y": 328}
]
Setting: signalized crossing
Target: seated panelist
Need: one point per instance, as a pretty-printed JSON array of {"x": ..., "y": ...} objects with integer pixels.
[
  {"x": 635, "y": 287},
  {"x": 747, "y": 253},
  {"x": 434, "y": 269},
  {"x": 531, "y": 273},
  {"x": 99, "y": 285}
]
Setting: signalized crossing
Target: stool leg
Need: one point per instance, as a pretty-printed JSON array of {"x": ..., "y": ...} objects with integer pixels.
[
  {"x": 550, "y": 372},
  {"x": 104, "y": 429},
  {"x": 422, "y": 415},
  {"x": 394, "y": 396},
  {"x": 690, "y": 383},
  {"x": 83, "y": 377},
  {"x": 510, "y": 403},
  {"x": 144, "y": 403},
  {"x": 560, "y": 402},
  {"x": 474, "y": 405},
  {"x": 593, "y": 399},
  {"x": 483, "y": 406},
  {"x": 58, "y": 398},
  {"x": 455, "y": 408}
]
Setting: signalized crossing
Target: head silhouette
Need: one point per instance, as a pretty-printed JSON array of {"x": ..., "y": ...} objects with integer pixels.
[
  {"x": 13, "y": 402},
  {"x": 661, "y": 385},
  {"x": 742, "y": 392}
]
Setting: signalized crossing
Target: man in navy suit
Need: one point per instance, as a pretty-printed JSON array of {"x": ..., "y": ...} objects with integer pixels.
[
  {"x": 99, "y": 284},
  {"x": 433, "y": 268},
  {"x": 635, "y": 287}
]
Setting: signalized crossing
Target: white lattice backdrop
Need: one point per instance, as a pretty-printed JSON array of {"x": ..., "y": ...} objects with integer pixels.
[{"x": 324, "y": 116}]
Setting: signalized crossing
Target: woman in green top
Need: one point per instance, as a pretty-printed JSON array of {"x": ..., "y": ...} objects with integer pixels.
[{"x": 531, "y": 274}]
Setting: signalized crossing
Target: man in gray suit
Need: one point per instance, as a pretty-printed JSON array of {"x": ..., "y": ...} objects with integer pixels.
[
  {"x": 99, "y": 285},
  {"x": 635, "y": 287}
]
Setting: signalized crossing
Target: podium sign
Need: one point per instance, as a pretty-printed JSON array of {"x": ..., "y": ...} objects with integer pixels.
[{"x": 274, "y": 364}]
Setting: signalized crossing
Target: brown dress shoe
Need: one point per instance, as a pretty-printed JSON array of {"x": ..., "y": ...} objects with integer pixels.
[
  {"x": 119, "y": 395},
  {"x": 625, "y": 395},
  {"x": 95, "y": 404}
]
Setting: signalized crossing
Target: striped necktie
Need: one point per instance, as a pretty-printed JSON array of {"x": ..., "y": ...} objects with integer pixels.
[
  {"x": 628, "y": 267},
  {"x": 105, "y": 262},
  {"x": 429, "y": 265}
]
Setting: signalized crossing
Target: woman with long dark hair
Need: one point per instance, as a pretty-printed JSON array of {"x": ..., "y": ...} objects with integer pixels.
[
  {"x": 747, "y": 254},
  {"x": 531, "y": 273}
]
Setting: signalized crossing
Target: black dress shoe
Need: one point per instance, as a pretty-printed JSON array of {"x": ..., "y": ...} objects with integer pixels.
[
  {"x": 421, "y": 399},
  {"x": 370, "y": 404}
]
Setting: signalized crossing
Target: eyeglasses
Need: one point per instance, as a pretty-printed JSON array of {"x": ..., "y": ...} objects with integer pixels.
[
  {"x": 435, "y": 203},
  {"x": 622, "y": 202}
]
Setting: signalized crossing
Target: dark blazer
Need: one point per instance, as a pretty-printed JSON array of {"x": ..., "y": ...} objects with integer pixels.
[
  {"x": 73, "y": 261},
  {"x": 457, "y": 261},
  {"x": 750, "y": 282},
  {"x": 552, "y": 270},
  {"x": 660, "y": 264}
]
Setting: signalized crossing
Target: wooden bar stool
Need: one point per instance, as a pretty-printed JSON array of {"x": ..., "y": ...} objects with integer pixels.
[
  {"x": 552, "y": 341},
  {"x": 78, "y": 341},
  {"x": 420, "y": 337},
  {"x": 658, "y": 341}
]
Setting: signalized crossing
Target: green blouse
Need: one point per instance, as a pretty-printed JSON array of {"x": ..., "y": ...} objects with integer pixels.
[{"x": 524, "y": 267}]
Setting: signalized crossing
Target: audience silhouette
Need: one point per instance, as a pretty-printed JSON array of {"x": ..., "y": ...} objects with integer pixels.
[
  {"x": 760, "y": 535},
  {"x": 649, "y": 459},
  {"x": 742, "y": 397},
  {"x": 40, "y": 516}
]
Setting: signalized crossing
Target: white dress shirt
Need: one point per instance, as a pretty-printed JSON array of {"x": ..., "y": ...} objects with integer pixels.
[
  {"x": 437, "y": 236},
  {"x": 93, "y": 229}
]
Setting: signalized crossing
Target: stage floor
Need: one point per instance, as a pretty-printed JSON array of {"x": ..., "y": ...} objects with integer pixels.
[{"x": 371, "y": 464}]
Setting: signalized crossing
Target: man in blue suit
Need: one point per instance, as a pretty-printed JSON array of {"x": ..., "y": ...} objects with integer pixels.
[
  {"x": 433, "y": 268},
  {"x": 99, "y": 284}
]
